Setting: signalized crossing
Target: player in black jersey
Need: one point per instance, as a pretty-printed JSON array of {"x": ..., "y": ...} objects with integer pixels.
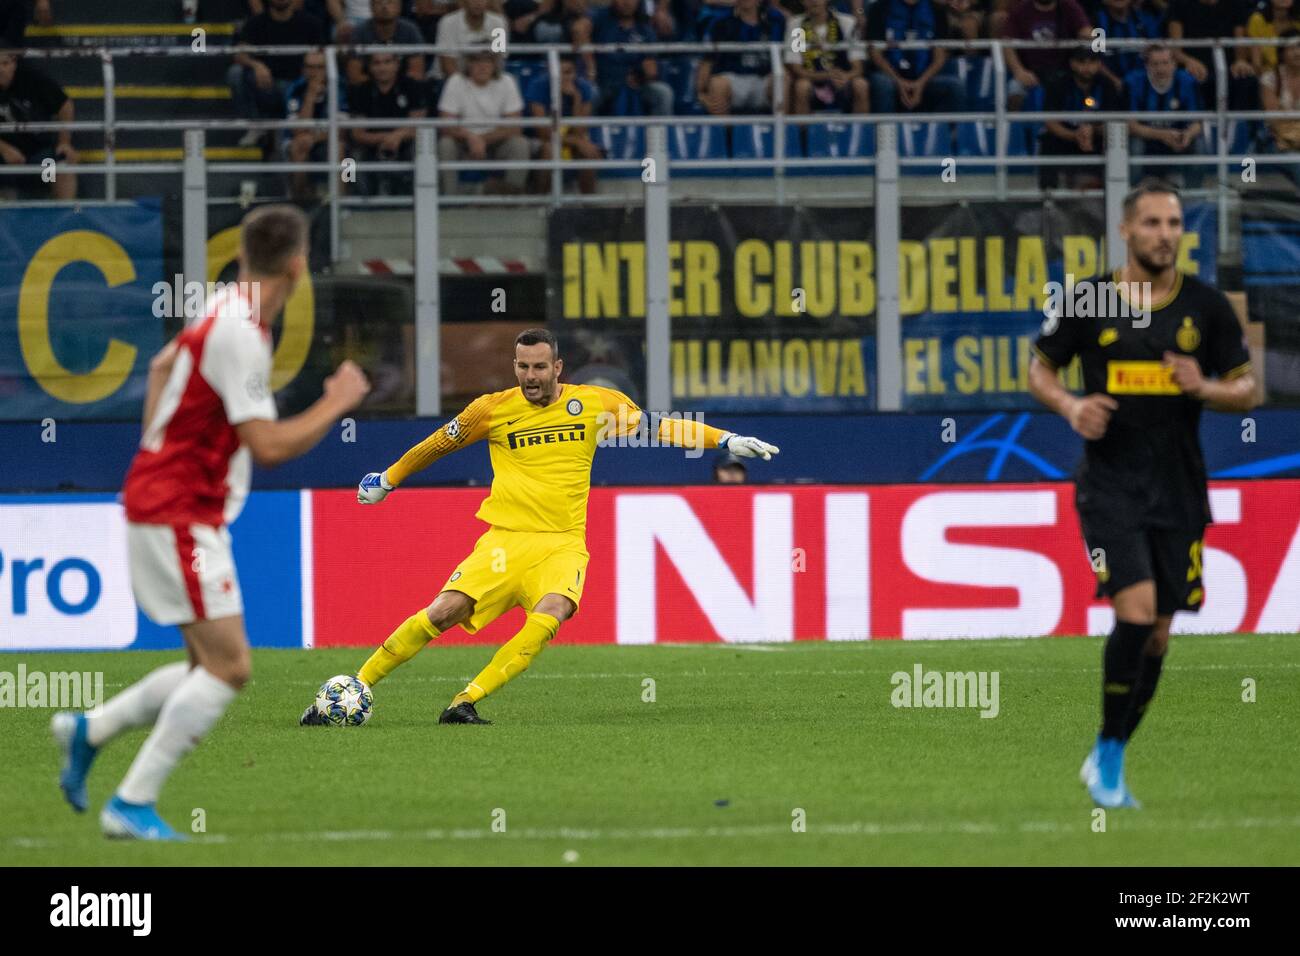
[{"x": 1155, "y": 345}]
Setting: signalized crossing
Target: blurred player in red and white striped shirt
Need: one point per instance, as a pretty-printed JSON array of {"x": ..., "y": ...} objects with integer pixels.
[{"x": 209, "y": 413}]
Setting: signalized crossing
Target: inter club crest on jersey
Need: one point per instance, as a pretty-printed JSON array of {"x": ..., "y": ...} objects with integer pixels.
[{"x": 574, "y": 407}]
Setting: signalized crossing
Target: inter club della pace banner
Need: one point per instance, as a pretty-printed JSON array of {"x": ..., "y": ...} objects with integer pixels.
[{"x": 774, "y": 307}]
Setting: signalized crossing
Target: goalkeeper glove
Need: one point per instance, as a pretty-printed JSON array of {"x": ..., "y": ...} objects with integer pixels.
[
  {"x": 373, "y": 489},
  {"x": 743, "y": 447}
]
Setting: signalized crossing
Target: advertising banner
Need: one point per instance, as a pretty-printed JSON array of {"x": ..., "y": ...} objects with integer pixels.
[
  {"x": 77, "y": 327},
  {"x": 774, "y": 307},
  {"x": 740, "y": 564},
  {"x": 65, "y": 583}
]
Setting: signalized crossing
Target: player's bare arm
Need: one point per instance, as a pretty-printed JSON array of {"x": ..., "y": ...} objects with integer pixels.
[
  {"x": 1236, "y": 394},
  {"x": 160, "y": 369},
  {"x": 275, "y": 442},
  {"x": 1088, "y": 415}
]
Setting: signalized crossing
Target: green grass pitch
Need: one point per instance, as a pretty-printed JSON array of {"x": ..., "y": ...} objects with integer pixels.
[{"x": 581, "y": 770}]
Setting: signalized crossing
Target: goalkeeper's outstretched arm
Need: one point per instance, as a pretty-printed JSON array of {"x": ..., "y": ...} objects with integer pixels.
[
  {"x": 625, "y": 417},
  {"x": 465, "y": 429}
]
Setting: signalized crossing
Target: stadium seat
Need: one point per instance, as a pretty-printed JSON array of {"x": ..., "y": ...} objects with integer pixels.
[
  {"x": 697, "y": 142},
  {"x": 620, "y": 142},
  {"x": 834, "y": 140},
  {"x": 679, "y": 73},
  {"x": 924, "y": 140},
  {"x": 756, "y": 141},
  {"x": 525, "y": 70},
  {"x": 977, "y": 71}
]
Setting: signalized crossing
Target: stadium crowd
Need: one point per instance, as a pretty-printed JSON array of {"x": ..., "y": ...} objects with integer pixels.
[{"x": 488, "y": 90}]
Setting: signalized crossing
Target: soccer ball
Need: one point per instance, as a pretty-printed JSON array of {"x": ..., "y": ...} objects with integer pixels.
[{"x": 344, "y": 701}]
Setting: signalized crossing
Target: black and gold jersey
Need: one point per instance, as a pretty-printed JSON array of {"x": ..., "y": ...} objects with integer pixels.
[{"x": 1147, "y": 470}]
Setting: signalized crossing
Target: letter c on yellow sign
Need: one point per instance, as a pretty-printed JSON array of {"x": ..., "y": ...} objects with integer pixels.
[
  {"x": 299, "y": 311},
  {"x": 34, "y": 317}
]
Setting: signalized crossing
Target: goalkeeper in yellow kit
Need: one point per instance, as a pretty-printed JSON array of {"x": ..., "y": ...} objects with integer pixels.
[{"x": 542, "y": 437}]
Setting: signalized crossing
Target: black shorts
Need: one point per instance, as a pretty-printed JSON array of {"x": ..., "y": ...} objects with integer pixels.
[{"x": 1171, "y": 557}]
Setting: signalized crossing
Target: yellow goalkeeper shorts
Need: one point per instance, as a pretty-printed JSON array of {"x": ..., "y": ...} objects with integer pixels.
[{"x": 509, "y": 568}]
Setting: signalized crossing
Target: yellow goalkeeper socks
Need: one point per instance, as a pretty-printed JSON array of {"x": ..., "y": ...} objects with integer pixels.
[
  {"x": 403, "y": 644},
  {"x": 511, "y": 659}
]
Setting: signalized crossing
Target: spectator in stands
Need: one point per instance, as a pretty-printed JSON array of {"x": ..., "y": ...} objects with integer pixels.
[
  {"x": 1161, "y": 87},
  {"x": 822, "y": 78},
  {"x": 911, "y": 79},
  {"x": 484, "y": 98},
  {"x": 1040, "y": 20},
  {"x": 13, "y": 23},
  {"x": 472, "y": 24},
  {"x": 969, "y": 20},
  {"x": 1123, "y": 20},
  {"x": 1266, "y": 23},
  {"x": 387, "y": 94},
  {"x": 385, "y": 26},
  {"x": 727, "y": 82},
  {"x": 29, "y": 95},
  {"x": 1209, "y": 20},
  {"x": 347, "y": 15},
  {"x": 628, "y": 83},
  {"x": 308, "y": 98},
  {"x": 426, "y": 14},
  {"x": 551, "y": 21},
  {"x": 1084, "y": 88},
  {"x": 729, "y": 470},
  {"x": 258, "y": 84},
  {"x": 663, "y": 18},
  {"x": 576, "y": 98},
  {"x": 708, "y": 12},
  {"x": 1279, "y": 89}
]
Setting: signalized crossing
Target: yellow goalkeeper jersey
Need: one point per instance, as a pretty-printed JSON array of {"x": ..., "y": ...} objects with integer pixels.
[{"x": 541, "y": 455}]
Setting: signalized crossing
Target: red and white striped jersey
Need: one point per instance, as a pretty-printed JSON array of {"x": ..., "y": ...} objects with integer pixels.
[{"x": 191, "y": 467}]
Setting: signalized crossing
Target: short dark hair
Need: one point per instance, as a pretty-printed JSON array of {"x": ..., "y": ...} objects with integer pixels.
[
  {"x": 536, "y": 337},
  {"x": 271, "y": 237},
  {"x": 1149, "y": 187},
  {"x": 1084, "y": 53}
]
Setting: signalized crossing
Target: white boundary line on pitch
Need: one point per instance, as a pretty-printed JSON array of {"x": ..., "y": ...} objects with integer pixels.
[
  {"x": 638, "y": 675},
  {"x": 855, "y": 828}
]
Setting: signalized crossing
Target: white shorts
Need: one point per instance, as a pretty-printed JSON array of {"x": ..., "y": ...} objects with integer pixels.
[
  {"x": 183, "y": 573},
  {"x": 749, "y": 91}
]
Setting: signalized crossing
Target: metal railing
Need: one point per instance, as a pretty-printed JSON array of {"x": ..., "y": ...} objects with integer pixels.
[{"x": 883, "y": 193}]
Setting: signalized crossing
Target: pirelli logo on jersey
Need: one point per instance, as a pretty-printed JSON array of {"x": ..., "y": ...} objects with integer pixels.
[
  {"x": 1140, "y": 378},
  {"x": 546, "y": 435}
]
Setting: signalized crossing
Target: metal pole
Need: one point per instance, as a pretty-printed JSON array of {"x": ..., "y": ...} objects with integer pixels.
[
  {"x": 1116, "y": 187},
  {"x": 194, "y": 252},
  {"x": 428, "y": 330},
  {"x": 110, "y": 118},
  {"x": 557, "y": 107},
  {"x": 332, "y": 148},
  {"x": 778, "y": 131},
  {"x": 1001, "y": 131},
  {"x": 658, "y": 325},
  {"x": 1221, "y": 107},
  {"x": 889, "y": 339}
]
